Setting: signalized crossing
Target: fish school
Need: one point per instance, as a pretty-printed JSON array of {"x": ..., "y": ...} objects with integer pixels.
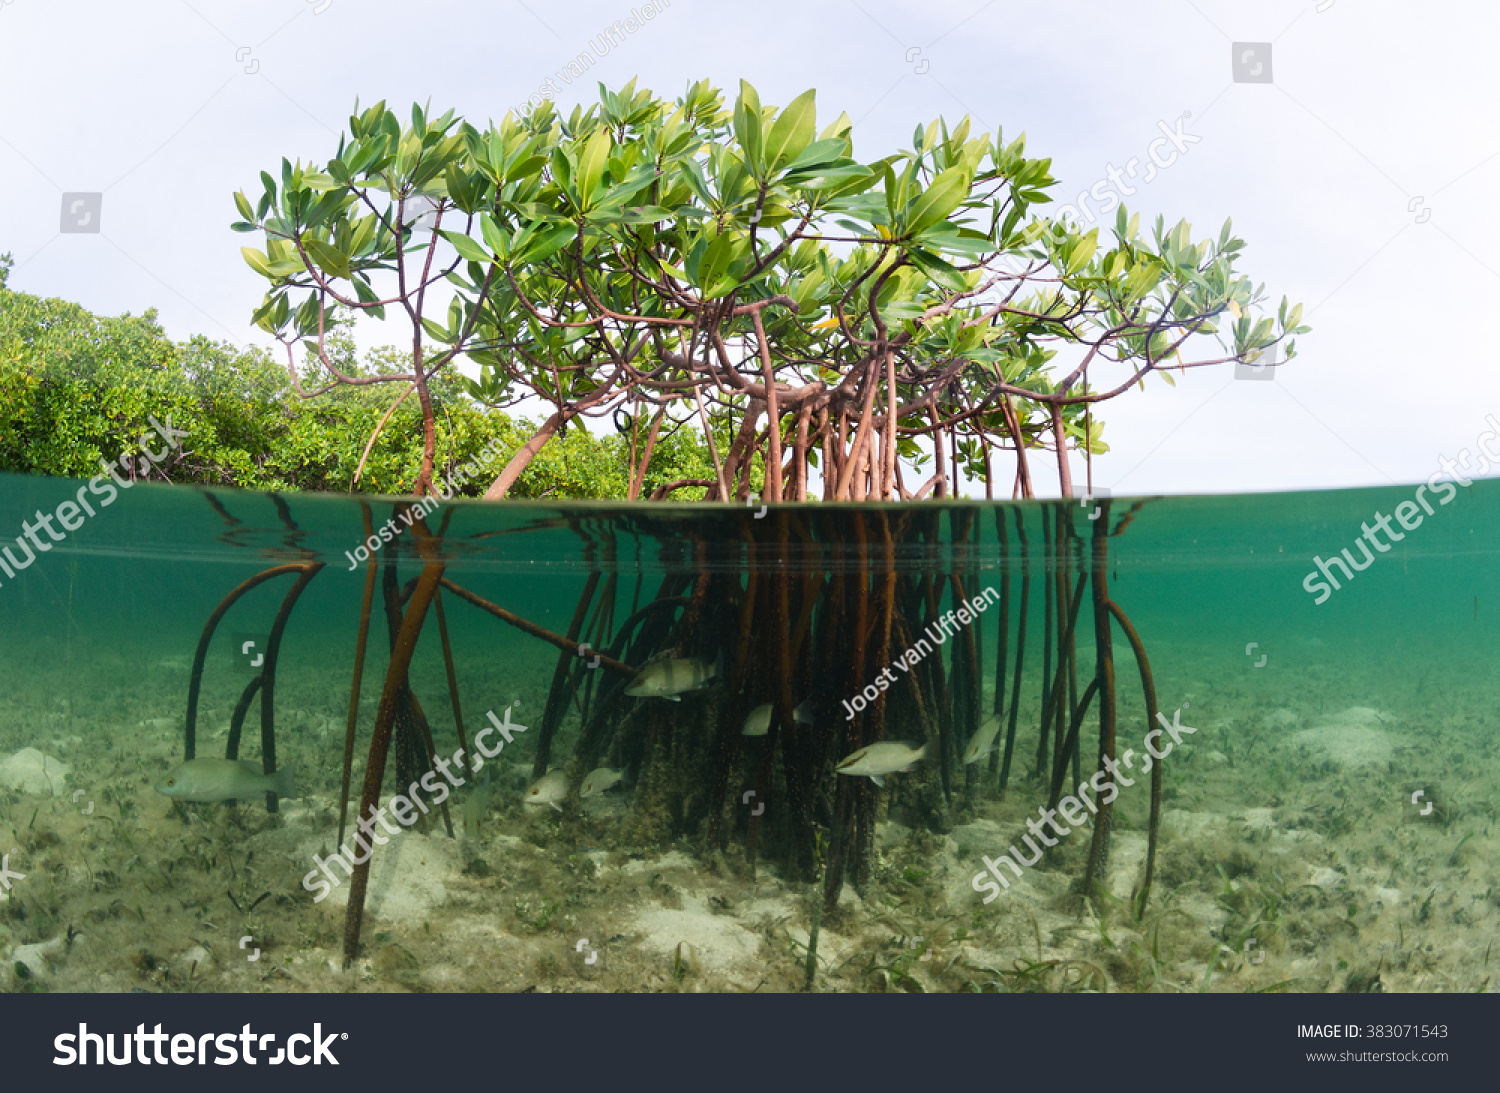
[{"x": 945, "y": 626}]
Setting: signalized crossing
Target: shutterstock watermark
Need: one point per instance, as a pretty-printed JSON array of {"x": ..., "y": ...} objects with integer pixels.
[
  {"x": 70, "y": 514},
  {"x": 409, "y": 807},
  {"x": 7, "y": 874},
  {"x": 1111, "y": 189},
  {"x": 611, "y": 37},
  {"x": 1408, "y": 514},
  {"x": 939, "y": 632},
  {"x": 1071, "y": 807}
]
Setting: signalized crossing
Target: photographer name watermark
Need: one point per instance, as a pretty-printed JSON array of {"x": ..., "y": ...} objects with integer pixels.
[
  {"x": 939, "y": 631},
  {"x": 423, "y": 508}
]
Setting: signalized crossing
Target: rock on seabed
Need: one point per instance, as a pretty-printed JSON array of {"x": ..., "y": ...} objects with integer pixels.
[{"x": 34, "y": 773}]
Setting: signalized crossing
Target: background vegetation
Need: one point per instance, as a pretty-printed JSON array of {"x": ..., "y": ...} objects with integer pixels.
[{"x": 76, "y": 388}]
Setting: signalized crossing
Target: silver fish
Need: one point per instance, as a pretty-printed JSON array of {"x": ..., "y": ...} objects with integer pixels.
[
  {"x": 476, "y": 805},
  {"x": 983, "y": 740},
  {"x": 878, "y": 760},
  {"x": 600, "y": 780},
  {"x": 549, "y": 789},
  {"x": 758, "y": 721},
  {"x": 670, "y": 679},
  {"x": 223, "y": 780}
]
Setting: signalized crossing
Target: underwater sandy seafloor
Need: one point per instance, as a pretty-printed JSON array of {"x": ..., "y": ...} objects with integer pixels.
[{"x": 1292, "y": 857}]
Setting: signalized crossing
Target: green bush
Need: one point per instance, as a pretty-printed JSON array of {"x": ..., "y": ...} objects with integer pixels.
[{"x": 77, "y": 388}]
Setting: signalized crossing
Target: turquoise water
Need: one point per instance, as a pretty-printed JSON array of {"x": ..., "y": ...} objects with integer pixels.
[{"x": 1291, "y": 855}]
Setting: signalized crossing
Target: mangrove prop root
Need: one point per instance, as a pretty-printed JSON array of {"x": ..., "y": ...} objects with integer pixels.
[
  {"x": 371, "y": 571},
  {"x": 930, "y": 802},
  {"x": 380, "y": 742},
  {"x": 237, "y": 723},
  {"x": 419, "y": 720},
  {"x": 458, "y": 713},
  {"x": 866, "y": 801},
  {"x": 853, "y": 618},
  {"x": 796, "y": 630},
  {"x": 1049, "y": 613},
  {"x": 965, "y": 649},
  {"x": 1073, "y": 749},
  {"x": 556, "y": 694},
  {"x": 1056, "y": 699},
  {"x": 1148, "y": 686},
  {"x": 865, "y": 725},
  {"x": 1003, "y": 633},
  {"x": 268, "y": 676},
  {"x": 409, "y": 753},
  {"x": 780, "y": 633},
  {"x": 532, "y": 628},
  {"x": 237, "y": 719},
  {"x": 1067, "y": 607},
  {"x": 731, "y": 714},
  {"x": 195, "y": 681},
  {"x": 762, "y": 793},
  {"x": 1105, "y": 673},
  {"x": 1059, "y": 776},
  {"x": 598, "y": 631},
  {"x": 649, "y": 627},
  {"x": 933, "y": 666},
  {"x": 1021, "y": 620}
]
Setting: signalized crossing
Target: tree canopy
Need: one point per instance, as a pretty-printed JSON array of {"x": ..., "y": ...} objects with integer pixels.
[{"x": 737, "y": 267}]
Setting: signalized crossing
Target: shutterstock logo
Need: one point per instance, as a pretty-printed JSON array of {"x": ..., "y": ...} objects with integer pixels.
[{"x": 189, "y": 1050}]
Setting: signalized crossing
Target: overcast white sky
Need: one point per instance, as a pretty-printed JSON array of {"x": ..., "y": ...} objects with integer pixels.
[{"x": 1361, "y": 177}]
